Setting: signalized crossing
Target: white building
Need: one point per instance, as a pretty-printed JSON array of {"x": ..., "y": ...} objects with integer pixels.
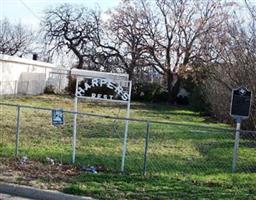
[{"x": 24, "y": 76}]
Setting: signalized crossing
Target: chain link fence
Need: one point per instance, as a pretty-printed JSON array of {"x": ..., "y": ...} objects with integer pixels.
[
  {"x": 8, "y": 124},
  {"x": 153, "y": 147},
  {"x": 57, "y": 81}
]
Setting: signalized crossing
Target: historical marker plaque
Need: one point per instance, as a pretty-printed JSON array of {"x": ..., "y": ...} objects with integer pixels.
[{"x": 240, "y": 103}]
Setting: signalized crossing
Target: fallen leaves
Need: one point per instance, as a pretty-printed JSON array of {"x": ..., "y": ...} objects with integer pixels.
[{"x": 35, "y": 173}]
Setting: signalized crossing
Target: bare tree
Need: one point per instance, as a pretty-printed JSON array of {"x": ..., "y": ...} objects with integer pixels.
[
  {"x": 234, "y": 67},
  {"x": 122, "y": 42},
  {"x": 176, "y": 30},
  {"x": 72, "y": 28},
  {"x": 251, "y": 8},
  {"x": 15, "y": 39}
]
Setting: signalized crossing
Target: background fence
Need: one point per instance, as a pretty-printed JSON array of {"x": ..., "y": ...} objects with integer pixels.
[{"x": 153, "y": 147}]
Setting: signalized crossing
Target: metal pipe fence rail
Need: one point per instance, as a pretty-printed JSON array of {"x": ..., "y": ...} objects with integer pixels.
[{"x": 154, "y": 147}]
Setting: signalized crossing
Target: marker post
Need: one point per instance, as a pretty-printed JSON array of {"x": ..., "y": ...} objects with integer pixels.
[{"x": 236, "y": 145}]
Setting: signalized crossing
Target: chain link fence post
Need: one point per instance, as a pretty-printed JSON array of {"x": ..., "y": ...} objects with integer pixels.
[
  {"x": 17, "y": 131},
  {"x": 74, "y": 131},
  {"x": 236, "y": 145},
  {"x": 146, "y": 149}
]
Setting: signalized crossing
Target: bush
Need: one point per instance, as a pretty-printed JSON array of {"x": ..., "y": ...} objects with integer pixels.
[
  {"x": 49, "y": 89},
  {"x": 149, "y": 92},
  {"x": 196, "y": 96}
]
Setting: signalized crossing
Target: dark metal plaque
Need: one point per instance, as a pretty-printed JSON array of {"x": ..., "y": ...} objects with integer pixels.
[{"x": 240, "y": 103}]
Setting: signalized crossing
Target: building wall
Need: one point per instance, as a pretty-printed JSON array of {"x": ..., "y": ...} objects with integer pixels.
[
  {"x": 24, "y": 76},
  {"x": 12, "y": 70}
]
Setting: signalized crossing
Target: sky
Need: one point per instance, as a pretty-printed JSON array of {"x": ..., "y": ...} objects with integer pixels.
[{"x": 30, "y": 12}]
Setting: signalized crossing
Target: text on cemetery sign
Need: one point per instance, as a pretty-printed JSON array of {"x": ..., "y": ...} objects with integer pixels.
[{"x": 92, "y": 88}]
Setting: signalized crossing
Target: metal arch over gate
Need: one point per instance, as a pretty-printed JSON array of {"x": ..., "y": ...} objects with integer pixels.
[{"x": 119, "y": 88}]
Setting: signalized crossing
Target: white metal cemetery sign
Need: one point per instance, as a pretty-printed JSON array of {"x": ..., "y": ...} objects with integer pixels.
[
  {"x": 101, "y": 86},
  {"x": 91, "y": 88}
]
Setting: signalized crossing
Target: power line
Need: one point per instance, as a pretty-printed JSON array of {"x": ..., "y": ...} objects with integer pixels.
[{"x": 30, "y": 10}]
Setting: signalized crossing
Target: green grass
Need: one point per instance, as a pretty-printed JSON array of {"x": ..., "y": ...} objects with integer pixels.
[{"x": 189, "y": 160}]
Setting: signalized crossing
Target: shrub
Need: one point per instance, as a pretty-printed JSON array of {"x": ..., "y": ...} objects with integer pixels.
[
  {"x": 196, "y": 98},
  {"x": 49, "y": 89},
  {"x": 149, "y": 92}
]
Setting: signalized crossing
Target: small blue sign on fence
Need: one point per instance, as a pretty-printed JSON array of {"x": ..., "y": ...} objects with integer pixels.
[{"x": 57, "y": 117}]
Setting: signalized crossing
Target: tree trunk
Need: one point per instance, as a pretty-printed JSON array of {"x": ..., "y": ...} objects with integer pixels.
[
  {"x": 169, "y": 86},
  {"x": 173, "y": 90},
  {"x": 130, "y": 72},
  {"x": 80, "y": 63}
]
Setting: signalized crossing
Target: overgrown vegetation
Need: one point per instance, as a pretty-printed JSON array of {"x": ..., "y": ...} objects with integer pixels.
[
  {"x": 190, "y": 160},
  {"x": 149, "y": 92},
  {"x": 152, "y": 41}
]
